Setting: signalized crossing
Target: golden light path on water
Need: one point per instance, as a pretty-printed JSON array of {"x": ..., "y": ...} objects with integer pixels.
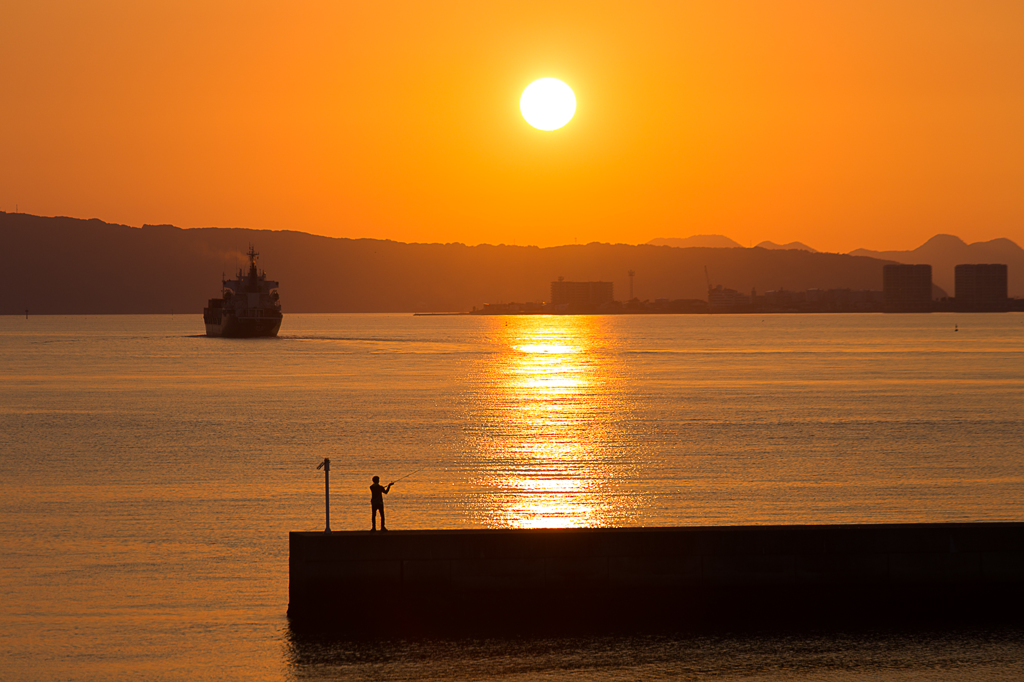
[{"x": 553, "y": 399}]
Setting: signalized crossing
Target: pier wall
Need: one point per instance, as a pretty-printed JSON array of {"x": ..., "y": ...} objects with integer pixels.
[{"x": 675, "y": 577}]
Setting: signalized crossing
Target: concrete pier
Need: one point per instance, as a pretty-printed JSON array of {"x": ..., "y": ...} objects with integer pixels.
[{"x": 425, "y": 581}]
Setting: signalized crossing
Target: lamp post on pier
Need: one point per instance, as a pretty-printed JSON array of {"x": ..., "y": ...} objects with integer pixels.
[{"x": 326, "y": 466}]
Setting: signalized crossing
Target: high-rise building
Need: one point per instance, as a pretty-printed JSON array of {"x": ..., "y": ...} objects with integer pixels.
[
  {"x": 581, "y": 296},
  {"x": 722, "y": 300},
  {"x": 981, "y": 287},
  {"x": 907, "y": 288}
]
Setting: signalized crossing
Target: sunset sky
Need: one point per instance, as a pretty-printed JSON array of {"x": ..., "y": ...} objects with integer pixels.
[{"x": 839, "y": 124}]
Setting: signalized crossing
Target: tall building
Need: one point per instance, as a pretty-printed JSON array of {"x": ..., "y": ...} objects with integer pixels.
[
  {"x": 722, "y": 300},
  {"x": 907, "y": 288},
  {"x": 981, "y": 287},
  {"x": 581, "y": 296}
]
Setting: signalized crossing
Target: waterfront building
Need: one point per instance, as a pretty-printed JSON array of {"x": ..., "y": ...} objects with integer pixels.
[
  {"x": 581, "y": 296},
  {"x": 722, "y": 300},
  {"x": 907, "y": 288},
  {"x": 787, "y": 301},
  {"x": 981, "y": 287}
]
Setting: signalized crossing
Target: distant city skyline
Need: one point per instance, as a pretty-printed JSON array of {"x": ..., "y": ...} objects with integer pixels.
[{"x": 321, "y": 274}]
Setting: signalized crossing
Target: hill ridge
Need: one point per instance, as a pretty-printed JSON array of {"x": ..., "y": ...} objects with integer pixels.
[{"x": 69, "y": 265}]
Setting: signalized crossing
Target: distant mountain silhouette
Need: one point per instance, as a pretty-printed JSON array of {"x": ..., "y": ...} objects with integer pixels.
[
  {"x": 709, "y": 241},
  {"x": 799, "y": 246},
  {"x": 72, "y": 266},
  {"x": 945, "y": 251}
]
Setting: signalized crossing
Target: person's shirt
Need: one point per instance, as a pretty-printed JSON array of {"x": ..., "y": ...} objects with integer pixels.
[{"x": 377, "y": 493}]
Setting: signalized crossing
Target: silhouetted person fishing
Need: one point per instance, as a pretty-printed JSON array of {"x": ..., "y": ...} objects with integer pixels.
[{"x": 377, "y": 493}]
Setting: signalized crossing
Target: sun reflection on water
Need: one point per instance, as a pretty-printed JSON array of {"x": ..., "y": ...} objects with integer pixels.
[{"x": 555, "y": 403}]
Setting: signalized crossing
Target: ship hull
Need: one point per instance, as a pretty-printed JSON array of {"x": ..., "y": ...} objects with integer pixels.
[{"x": 234, "y": 328}]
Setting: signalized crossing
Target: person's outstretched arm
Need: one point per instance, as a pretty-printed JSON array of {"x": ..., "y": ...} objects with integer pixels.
[{"x": 388, "y": 489}]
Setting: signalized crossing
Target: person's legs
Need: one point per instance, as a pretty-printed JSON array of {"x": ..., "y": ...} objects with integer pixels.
[
  {"x": 382, "y": 526},
  {"x": 373, "y": 518}
]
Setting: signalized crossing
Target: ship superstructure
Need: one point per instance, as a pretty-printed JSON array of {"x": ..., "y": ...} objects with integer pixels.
[{"x": 248, "y": 306}]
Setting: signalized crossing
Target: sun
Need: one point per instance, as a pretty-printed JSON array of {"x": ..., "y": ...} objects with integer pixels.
[{"x": 548, "y": 104}]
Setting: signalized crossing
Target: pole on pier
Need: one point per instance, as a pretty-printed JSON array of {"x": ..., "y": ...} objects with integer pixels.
[{"x": 326, "y": 466}]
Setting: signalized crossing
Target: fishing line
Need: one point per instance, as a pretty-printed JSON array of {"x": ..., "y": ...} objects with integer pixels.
[{"x": 411, "y": 473}]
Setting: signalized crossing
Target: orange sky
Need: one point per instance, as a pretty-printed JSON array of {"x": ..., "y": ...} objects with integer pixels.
[{"x": 874, "y": 124}]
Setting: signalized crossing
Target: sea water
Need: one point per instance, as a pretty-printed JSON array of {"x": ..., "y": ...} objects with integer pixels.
[{"x": 150, "y": 474}]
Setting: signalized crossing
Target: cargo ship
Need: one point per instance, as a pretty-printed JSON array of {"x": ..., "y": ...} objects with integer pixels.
[{"x": 248, "y": 306}]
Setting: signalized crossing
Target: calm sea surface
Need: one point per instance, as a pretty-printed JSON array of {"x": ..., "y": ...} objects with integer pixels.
[{"x": 150, "y": 475}]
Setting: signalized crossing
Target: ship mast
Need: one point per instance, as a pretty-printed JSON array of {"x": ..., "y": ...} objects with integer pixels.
[{"x": 252, "y": 285}]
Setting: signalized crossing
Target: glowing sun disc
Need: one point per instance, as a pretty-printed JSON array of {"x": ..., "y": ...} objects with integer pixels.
[{"x": 548, "y": 104}]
